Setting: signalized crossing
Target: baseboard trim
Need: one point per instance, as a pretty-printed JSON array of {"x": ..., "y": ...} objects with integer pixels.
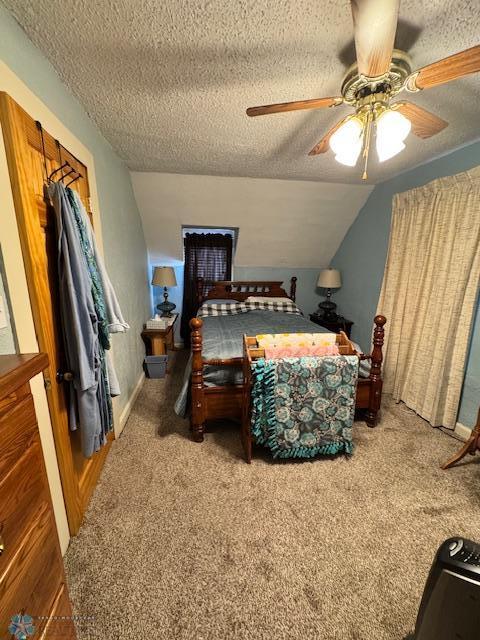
[
  {"x": 122, "y": 421},
  {"x": 463, "y": 431}
]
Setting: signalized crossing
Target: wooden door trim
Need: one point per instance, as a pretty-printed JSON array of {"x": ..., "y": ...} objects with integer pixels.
[{"x": 27, "y": 214}]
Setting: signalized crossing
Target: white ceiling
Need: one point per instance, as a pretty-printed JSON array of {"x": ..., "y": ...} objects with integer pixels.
[{"x": 168, "y": 82}]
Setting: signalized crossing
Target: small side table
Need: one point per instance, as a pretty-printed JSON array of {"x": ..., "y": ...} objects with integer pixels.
[
  {"x": 340, "y": 324},
  {"x": 157, "y": 341}
]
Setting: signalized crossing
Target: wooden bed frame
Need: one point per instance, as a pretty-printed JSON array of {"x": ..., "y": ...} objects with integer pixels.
[{"x": 213, "y": 403}]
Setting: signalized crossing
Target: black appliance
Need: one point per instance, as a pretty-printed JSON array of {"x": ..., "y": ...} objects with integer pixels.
[{"x": 450, "y": 607}]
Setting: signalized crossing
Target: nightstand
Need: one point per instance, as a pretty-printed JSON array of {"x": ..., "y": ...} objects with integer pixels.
[
  {"x": 340, "y": 324},
  {"x": 157, "y": 341}
]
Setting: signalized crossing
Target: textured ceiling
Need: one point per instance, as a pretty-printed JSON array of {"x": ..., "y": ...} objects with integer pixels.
[{"x": 168, "y": 82}]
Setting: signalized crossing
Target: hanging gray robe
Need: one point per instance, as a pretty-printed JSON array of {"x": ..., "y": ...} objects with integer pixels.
[
  {"x": 79, "y": 325},
  {"x": 116, "y": 321}
]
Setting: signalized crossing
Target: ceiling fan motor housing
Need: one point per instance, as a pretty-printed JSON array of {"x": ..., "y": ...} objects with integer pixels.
[{"x": 357, "y": 87}]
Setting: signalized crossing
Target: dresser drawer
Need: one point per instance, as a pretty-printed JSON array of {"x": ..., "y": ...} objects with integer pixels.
[
  {"x": 31, "y": 582},
  {"x": 23, "y": 494},
  {"x": 32, "y": 579},
  {"x": 18, "y": 431}
]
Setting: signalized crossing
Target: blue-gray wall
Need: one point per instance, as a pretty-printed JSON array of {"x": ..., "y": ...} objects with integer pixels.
[
  {"x": 124, "y": 244},
  {"x": 362, "y": 254}
]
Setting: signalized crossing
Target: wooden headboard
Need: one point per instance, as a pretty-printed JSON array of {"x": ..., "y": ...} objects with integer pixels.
[{"x": 242, "y": 289}]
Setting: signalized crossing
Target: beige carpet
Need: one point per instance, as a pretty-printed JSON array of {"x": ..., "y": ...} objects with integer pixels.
[{"x": 185, "y": 540}]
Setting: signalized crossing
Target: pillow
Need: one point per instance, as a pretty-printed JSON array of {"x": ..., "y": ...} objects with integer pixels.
[
  {"x": 220, "y": 301},
  {"x": 267, "y": 299}
]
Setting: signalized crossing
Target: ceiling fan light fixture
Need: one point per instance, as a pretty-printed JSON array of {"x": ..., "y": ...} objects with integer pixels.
[
  {"x": 392, "y": 129},
  {"x": 348, "y": 158},
  {"x": 346, "y": 142},
  {"x": 389, "y": 149}
]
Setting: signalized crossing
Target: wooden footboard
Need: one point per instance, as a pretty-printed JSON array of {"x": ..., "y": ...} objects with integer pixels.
[{"x": 213, "y": 403}]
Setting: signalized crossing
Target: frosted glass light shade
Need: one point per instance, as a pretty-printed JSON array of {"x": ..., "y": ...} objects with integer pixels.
[
  {"x": 346, "y": 142},
  {"x": 329, "y": 279},
  {"x": 392, "y": 129},
  {"x": 388, "y": 149},
  {"x": 164, "y": 277}
]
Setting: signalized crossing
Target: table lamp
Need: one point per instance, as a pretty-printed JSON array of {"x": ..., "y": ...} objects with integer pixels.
[
  {"x": 328, "y": 279},
  {"x": 165, "y": 277}
]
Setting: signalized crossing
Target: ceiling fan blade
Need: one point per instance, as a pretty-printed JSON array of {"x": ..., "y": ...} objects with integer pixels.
[
  {"x": 424, "y": 123},
  {"x": 281, "y": 107},
  {"x": 375, "y": 24},
  {"x": 456, "y": 66},
  {"x": 323, "y": 146}
]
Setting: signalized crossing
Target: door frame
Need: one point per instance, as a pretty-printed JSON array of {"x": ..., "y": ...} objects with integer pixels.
[{"x": 76, "y": 494}]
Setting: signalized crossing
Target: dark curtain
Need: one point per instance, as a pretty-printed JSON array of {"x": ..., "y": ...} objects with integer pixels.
[{"x": 207, "y": 256}]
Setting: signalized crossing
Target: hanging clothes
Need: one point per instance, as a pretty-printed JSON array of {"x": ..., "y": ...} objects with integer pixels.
[
  {"x": 97, "y": 287},
  {"x": 116, "y": 321},
  {"x": 85, "y": 319},
  {"x": 108, "y": 307}
]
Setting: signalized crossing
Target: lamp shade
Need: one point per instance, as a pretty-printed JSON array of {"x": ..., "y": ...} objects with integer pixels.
[
  {"x": 346, "y": 141},
  {"x": 392, "y": 129},
  {"x": 164, "y": 277},
  {"x": 329, "y": 279}
]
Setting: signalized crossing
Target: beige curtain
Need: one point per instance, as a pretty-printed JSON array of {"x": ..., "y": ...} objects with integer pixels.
[{"x": 429, "y": 292}]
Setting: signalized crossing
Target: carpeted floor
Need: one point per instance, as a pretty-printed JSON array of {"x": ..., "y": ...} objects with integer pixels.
[{"x": 186, "y": 541}]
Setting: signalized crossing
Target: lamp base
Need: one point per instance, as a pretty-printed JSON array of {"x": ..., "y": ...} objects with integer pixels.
[
  {"x": 327, "y": 310},
  {"x": 166, "y": 307}
]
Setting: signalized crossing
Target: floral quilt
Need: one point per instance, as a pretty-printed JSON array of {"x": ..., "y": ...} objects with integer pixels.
[{"x": 304, "y": 406}]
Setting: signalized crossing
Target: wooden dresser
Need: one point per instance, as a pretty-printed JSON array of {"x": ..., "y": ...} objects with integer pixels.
[{"x": 32, "y": 579}]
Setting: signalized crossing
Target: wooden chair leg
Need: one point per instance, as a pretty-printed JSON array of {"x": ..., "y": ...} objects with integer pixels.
[{"x": 470, "y": 447}]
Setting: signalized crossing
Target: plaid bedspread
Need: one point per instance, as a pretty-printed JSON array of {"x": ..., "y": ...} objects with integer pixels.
[{"x": 209, "y": 309}]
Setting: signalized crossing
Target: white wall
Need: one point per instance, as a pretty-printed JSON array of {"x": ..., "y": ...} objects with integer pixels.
[{"x": 282, "y": 223}]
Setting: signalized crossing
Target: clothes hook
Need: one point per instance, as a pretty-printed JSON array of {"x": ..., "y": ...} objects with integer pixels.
[
  {"x": 38, "y": 124},
  {"x": 65, "y": 164},
  {"x": 74, "y": 179}
]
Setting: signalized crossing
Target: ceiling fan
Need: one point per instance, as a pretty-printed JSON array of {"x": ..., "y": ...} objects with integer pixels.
[{"x": 380, "y": 73}]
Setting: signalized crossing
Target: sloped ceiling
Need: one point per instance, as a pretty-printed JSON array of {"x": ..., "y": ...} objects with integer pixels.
[
  {"x": 168, "y": 82},
  {"x": 282, "y": 222}
]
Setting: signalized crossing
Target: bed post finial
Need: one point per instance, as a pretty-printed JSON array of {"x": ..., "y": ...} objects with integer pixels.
[
  {"x": 376, "y": 371},
  {"x": 293, "y": 287},
  {"x": 197, "y": 419}
]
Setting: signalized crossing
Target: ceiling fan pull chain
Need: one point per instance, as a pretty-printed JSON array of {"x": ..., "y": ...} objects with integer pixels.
[{"x": 366, "y": 148}]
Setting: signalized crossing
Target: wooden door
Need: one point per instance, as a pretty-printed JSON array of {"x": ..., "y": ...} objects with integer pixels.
[{"x": 29, "y": 160}]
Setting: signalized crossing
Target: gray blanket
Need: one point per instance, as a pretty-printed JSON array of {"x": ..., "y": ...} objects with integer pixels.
[{"x": 223, "y": 338}]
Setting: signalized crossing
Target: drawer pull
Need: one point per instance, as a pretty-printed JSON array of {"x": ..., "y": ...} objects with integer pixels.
[{"x": 2, "y": 545}]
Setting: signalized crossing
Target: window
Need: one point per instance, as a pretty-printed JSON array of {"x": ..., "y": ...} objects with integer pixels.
[{"x": 208, "y": 256}]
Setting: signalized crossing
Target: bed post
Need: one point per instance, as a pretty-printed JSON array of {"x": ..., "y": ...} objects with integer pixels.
[
  {"x": 376, "y": 381},
  {"x": 197, "y": 418},
  {"x": 293, "y": 287}
]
